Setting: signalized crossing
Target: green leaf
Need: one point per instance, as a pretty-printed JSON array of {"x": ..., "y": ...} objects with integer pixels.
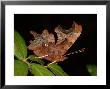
[
  {"x": 57, "y": 70},
  {"x": 20, "y": 68},
  {"x": 35, "y": 58},
  {"x": 92, "y": 69},
  {"x": 40, "y": 70},
  {"x": 20, "y": 48}
]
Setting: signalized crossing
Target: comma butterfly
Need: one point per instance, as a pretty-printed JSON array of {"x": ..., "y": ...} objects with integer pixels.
[{"x": 44, "y": 44}]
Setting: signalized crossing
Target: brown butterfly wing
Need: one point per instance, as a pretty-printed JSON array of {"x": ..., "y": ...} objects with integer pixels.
[{"x": 44, "y": 44}]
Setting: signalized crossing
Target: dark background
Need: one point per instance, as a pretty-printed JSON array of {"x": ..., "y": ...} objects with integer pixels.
[{"x": 75, "y": 65}]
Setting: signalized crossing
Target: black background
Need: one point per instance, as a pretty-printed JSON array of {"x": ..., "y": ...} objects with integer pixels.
[{"x": 75, "y": 65}]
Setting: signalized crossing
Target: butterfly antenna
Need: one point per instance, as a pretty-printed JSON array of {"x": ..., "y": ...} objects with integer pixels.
[{"x": 75, "y": 52}]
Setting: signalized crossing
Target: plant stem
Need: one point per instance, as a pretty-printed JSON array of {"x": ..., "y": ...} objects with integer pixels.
[{"x": 29, "y": 65}]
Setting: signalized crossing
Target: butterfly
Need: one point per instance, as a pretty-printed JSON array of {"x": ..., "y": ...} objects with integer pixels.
[{"x": 45, "y": 46}]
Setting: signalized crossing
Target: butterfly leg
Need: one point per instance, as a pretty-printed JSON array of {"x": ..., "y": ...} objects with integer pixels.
[{"x": 51, "y": 63}]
